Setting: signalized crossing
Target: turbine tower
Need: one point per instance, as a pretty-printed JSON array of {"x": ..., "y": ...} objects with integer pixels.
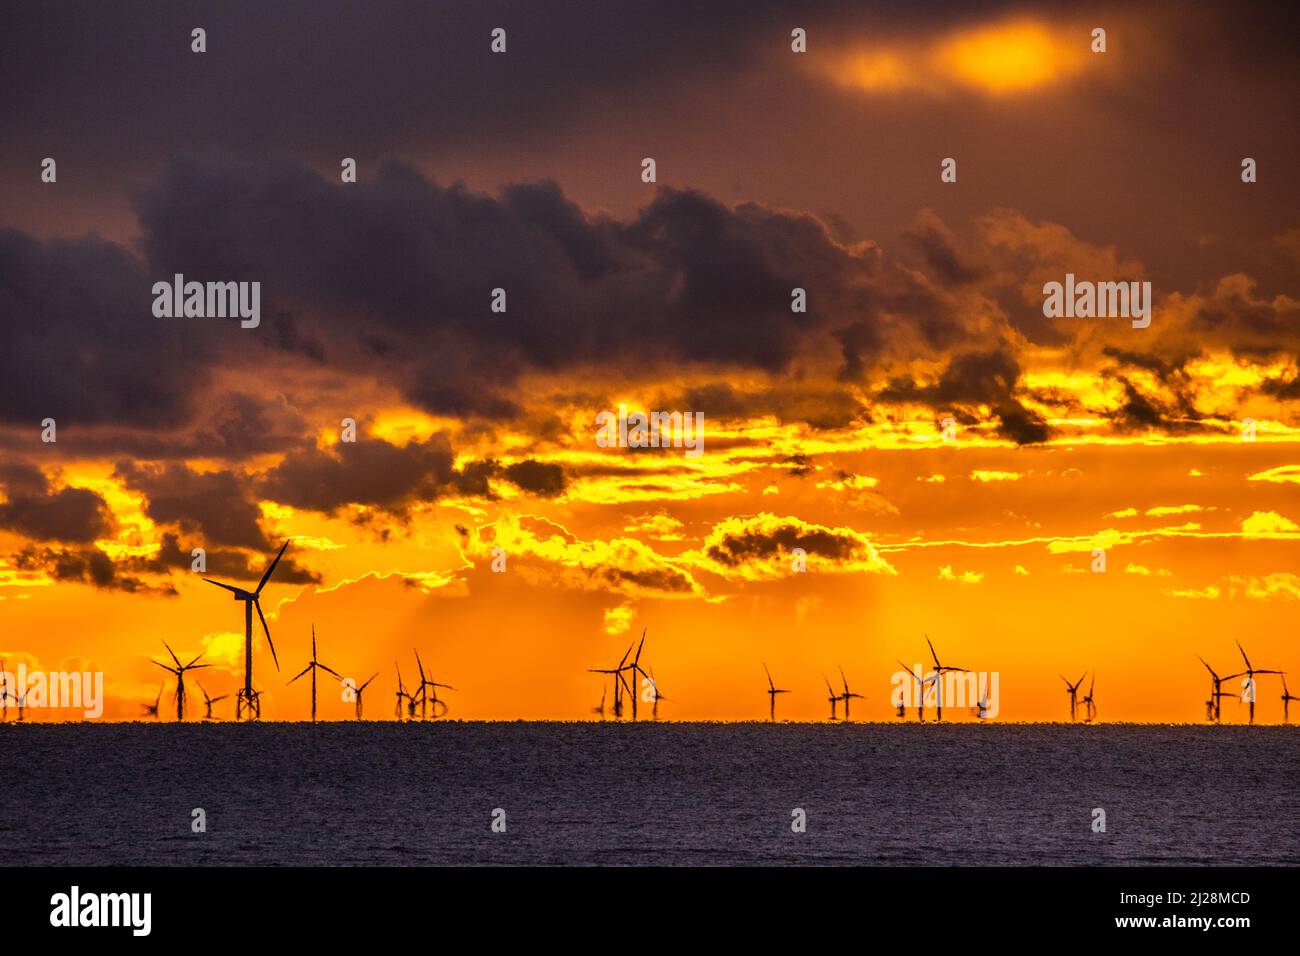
[
  {"x": 247, "y": 698},
  {"x": 1073, "y": 691}
]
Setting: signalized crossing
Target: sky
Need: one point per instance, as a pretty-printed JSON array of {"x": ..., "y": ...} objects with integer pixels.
[{"x": 943, "y": 458}]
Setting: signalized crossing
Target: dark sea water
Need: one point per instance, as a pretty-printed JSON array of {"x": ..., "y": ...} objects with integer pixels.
[{"x": 384, "y": 793}]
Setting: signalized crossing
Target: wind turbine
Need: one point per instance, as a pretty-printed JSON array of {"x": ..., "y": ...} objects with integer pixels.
[
  {"x": 247, "y": 698},
  {"x": 1090, "y": 709},
  {"x": 1073, "y": 691},
  {"x": 600, "y": 710},
  {"x": 833, "y": 699},
  {"x": 150, "y": 710},
  {"x": 4, "y": 691},
  {"x": 362, "y": 688},
  {"x": 314, "y": 666},
  {"x": 982, "y": 706},
  {"x": 426, "y": 682},
  {"x": 1213, "y": 706},
  {"x": 1286, "y": 702},
  {"x": 939, "y": 671},
  {"x": 179, "y": 670},
  {"x": 401, "y": 692},
  {"x": 1250, "y": 672},
  {"x": 618, "y": 678},
  {"x": 848, "y": 695},
  {"x": 920, "y": 691},
  {"x": 635, "y": 668},
  {"x": 209, "y": 701},
  {"x": 772, "y": 691},
  {"x": 654, "y": 687}
]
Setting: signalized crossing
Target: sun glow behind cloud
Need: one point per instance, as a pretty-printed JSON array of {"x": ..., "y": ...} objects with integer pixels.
[{"x": 1000, "y": 59}]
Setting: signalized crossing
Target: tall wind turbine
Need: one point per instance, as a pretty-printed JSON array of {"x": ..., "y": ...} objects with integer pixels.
[
  {"x": 772, "y": 691},
  {"x": 833, "y": 699},
  {"x": 209, "y": 701},
  {"x": 179, "y": 670},
  {"x": 314, "y": 666},
  {"x": 359, "y": 691},
  {"x": 4, "y": 692},
  {"x": 848, "y": 695},
  {"x": 1073, "y": 691},
  {"x": 247, "y": 698},
  {"x": 1287, "y": 697},
  {"x": 600, "y": 710},
  {"x": 1251, "y": 672},
  {"x": 939, "y": 671}
]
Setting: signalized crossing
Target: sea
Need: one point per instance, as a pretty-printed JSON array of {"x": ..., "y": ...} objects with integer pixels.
[{"x": 659, "y": 794}]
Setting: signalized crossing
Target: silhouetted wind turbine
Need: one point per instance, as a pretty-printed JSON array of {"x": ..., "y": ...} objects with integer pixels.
[
  {"x": 833, "y": 699},
  {"x": 179, "y": 670},
  {"x": 1286, "y": 701},
  {"x": 247, "y": 697},
  {"x": 401, "y": 694},
  {"x": 1251, "y": 672},
  {"x": 362, "y": 688},
  {"x": 600, "y": 710},
  {"x": 848, "y": 695},
  {"x": 4, "y": 692},
  {"x": 150, "y": 710},
  {"x": 617, "y": 676},
  {"x": 654, "y": 688},
  {"x": 981, "y": 708},
  {"x": 1214, "y": 706},
  {"x": 1090, "y": 709},
  {"x": 313, "y": 666},
  {"x": 427, "y": 682},
  {"x": 920, "y": 691},
  {"x": 772, "y": 691},
  {"x": 1073, "y": 691},
  {"x": 209, "y": 701},
  {"x": 635, "y": 668},
  {"x": 939, "y": 671}
]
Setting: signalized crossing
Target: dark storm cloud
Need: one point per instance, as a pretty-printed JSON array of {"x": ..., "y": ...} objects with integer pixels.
[
  {"x": 368, "y": 472},
  {"x": 756, "y": 543},
  {"x": 219, "y": 505},
  {"x": 70, "y": 514},
  {"x": 79, "y": 343},
  {"x": 223, "y": 564},
  {"x": 33, "y": 509},
  {"x": 89, "y": 566},
  {"x": 398, "y": 272},
  {"x": 540, "y": 478},
  {"x": 977, "y": 378}
]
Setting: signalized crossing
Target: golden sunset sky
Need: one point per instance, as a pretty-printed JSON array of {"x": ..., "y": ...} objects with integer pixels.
[{"x": 477, "y": 430}]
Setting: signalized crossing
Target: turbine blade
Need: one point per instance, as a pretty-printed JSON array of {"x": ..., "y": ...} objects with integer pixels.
[
  {"x": 267, "y": 576},
  {"x": 300, "y": 673},
  {"x": 262, "y": 617},
  {"x": 228, "y": 587}
]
